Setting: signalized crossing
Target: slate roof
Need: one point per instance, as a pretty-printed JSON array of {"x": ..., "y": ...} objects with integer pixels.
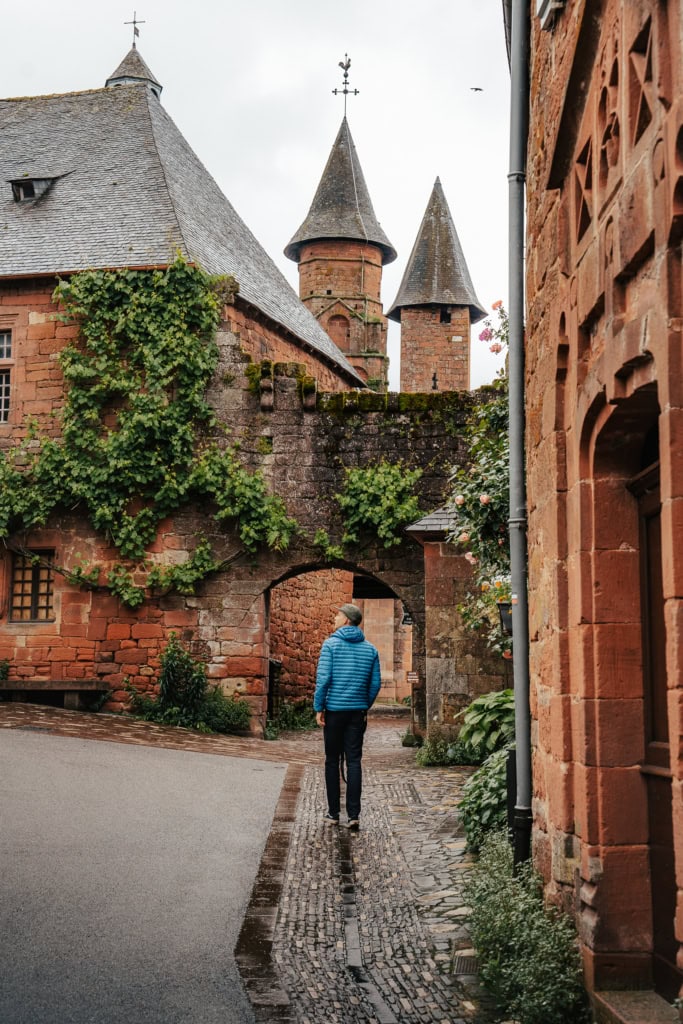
[
  {"x": 434, "y": 526},
  {"x": 133, "y": 67},
  {"x": 437, "y": 273},
  {"x": 341, "y": 207},
  {"x": 127, "y": 190}
]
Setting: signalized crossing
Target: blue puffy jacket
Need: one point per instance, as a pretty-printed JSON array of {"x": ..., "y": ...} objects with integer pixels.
[{"x": 348, "y": 676}]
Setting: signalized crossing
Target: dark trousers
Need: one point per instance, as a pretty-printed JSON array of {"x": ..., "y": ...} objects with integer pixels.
[{"x": 343, "y": 734}]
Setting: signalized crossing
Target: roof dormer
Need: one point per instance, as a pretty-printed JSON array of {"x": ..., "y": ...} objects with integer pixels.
[{"x": 26, "y": 188}]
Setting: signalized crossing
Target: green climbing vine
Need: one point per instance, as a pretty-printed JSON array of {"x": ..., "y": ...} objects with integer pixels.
[
  {"x": 131, "y": 448},
  {"x": 378, "y": 500}
]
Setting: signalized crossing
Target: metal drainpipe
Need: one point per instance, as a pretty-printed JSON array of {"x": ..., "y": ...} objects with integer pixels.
[{"x": 519, "y": 128}]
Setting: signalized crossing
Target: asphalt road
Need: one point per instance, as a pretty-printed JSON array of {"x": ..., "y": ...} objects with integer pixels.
[{"x": 125, "y": 872}]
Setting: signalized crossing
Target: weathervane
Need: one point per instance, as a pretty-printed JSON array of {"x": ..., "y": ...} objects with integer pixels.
[
  {"x": 135, "y": 23},
  {"x": 345, "y": 65}
]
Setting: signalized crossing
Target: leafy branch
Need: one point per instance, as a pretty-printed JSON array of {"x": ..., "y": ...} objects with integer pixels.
[{"x": 378, "y": 500}]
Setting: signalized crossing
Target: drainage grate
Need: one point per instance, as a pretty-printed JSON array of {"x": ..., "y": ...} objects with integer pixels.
[
  {"x": 33, "y": 728},
  {"x": 465, "y": 965},
  {"x": 402, "y": 793}
]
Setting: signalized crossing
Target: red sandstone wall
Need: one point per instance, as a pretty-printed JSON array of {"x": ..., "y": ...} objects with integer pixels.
[
  {"x": 261, "y": 341},
  {"x": 302, "y": 611},
  {"x": 429, "y": 347},
  {"x": 603, "y": 367},
  {"x": 26, "y": 309},
  {"x": 92, "y": 640}
]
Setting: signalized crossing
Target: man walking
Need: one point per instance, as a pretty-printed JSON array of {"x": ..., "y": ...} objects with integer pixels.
[{"x": 347, "y": 683}]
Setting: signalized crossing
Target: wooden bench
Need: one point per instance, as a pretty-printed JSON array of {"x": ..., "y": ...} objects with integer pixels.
[{"x": 72, "y": 688}]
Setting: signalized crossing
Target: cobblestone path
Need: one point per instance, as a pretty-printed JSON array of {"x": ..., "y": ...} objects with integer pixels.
[
  {"x": 371, "y": 925},
  {"x": 348, "y": 928}
]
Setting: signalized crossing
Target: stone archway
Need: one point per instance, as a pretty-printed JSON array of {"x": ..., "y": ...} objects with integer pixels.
[
  {"x": 300, "y": 611},
  {"x": 623, "y": 796}
]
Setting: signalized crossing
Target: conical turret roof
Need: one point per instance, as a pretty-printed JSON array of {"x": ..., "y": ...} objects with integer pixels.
[
  {"x": 341, "y": 207},
  {"x": 133, "y": 69},
  {"x": 436, "y": 273}
]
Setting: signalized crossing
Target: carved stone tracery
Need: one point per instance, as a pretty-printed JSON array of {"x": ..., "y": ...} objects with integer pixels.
[{"x": 641, "y": 84}]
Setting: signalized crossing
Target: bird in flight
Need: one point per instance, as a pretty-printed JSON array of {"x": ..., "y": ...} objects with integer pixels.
[{"x": 476, "y": 88}]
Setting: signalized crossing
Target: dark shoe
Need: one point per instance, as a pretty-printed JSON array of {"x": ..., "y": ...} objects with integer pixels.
[
  {"x": 330, "y": 819},
  {"x": 353, "y": 825}
]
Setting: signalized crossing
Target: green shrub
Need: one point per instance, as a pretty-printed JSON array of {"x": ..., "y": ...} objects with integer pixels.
[
  {"x": 528, "y": 953},
  {"x": 182, "y": 681},
  {"x": 410, "y": 739},
  {"x": 438, "y": 749},
  {"x": 4, "y": 670},
  {"x": 296, "y": 716},
  {"x": 185, "y": 698},
  {"x": 219, "y": 713},
  {"x": 483, "y": 806},
  {"x": 292, "y": 716},
  {"x": 271, "y": 731},
  {"x": 488, "y": 724}
]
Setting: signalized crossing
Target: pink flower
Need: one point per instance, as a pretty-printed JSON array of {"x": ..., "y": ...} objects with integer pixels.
[
  {"x": 470, "y": 558},
  {"x": 496, "y": 347},
  {"x": 464, "y": 537},
  {"x": 460, "y": 499},
  {"x": 485, "y": 499},
  {"x": 497, "y": 304},
  {"x": 486, "y": 334}
]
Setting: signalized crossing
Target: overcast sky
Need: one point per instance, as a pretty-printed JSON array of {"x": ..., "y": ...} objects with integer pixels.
[{"x": 250, "y": 86}]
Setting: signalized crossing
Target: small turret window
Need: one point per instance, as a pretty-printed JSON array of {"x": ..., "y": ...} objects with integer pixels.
[
  {"x": 23, "y": 190},
  {"x": 445, "y": 317}
]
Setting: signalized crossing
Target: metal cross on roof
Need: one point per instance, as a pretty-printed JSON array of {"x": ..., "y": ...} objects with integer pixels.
[
  {"x": 135, "y": 24},
  {"x": 345, "y": 65}
]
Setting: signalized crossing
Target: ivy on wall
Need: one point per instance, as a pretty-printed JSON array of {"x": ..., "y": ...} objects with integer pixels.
[
  {"x": 131, "y": 449},
  {"x": 132, "y": 444}
]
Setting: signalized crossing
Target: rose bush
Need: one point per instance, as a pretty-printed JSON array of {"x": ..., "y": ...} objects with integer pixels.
[{"x": 480, "y": 499}]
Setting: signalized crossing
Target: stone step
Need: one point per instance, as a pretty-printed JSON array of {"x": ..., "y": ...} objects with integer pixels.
[
  {"x": 383, "y": 710},
  {"x": 644, "y": 1007}
]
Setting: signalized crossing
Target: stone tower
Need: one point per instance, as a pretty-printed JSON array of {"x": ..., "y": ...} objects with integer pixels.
[
  {"x": 435, "y": 305},
  {"x": 341, "y": 249}
]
